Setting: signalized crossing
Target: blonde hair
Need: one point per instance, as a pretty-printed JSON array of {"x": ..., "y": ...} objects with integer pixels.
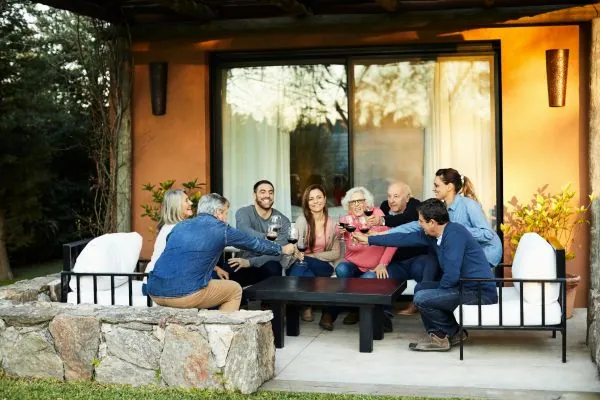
[
  {"x": 172, "y": 209},
  {"x": 369, "y": 199}
]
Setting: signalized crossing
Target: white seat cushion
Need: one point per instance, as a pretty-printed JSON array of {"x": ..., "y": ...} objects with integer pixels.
[
  {"x": 535, "y": 259},
  {"x": 113, "y": 252},
  {"x": 104, "y": 297},
  {"x": 511, "y": 312}
]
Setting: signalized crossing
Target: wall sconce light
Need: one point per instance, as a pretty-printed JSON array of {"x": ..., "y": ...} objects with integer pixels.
[
  {"x": 158, "y": 87},
  {"x": 557, "y": 65}
]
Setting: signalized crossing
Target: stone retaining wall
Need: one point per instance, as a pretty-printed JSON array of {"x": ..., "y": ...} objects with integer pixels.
[{"x": 130, "y": 345}]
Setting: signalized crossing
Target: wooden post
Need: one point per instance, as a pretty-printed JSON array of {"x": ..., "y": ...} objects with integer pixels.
[
  {"x": 124, "y": 150},
  {"x": 594, "y": 161}
]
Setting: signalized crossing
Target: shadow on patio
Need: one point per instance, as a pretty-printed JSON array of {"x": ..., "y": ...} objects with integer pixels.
[{"x": 497, "y": 364}]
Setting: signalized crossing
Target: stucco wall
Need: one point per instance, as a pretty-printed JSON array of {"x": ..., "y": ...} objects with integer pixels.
[{"x": 541, "y": 145}]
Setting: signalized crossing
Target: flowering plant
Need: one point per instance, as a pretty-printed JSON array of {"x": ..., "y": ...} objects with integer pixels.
[{"x": 549, "y": 215}]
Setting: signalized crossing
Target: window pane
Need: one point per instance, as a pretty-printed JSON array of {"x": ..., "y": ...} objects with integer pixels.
[
  {"x": 413, "y": 117},
  {"x": 287, "y": 124}
]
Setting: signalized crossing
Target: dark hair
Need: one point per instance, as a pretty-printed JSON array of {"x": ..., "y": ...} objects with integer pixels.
[
  {"x": 257, "y": 184},
  {"x": 308, "y": 214},
  {"x": 461, "y": 183},
  {"x": 434, "y": 209}
]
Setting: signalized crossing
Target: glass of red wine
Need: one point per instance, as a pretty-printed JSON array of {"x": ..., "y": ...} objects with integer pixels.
[
  {"x": 271, "y": 232},
  {"x": 301, "y": 245},
  {"x": 369, "y": 211},
  {"x": 342, "y": 225},
  {"x": 363, "y": 225}
]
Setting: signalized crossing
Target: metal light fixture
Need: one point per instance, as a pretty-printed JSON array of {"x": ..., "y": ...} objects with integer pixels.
[
  {"x": 557, "y": 66},
  {"x": 158, "y": 87}
]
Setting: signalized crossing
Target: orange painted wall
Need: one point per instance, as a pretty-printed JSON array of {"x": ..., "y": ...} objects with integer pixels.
[{"x": 540, "y": 144}]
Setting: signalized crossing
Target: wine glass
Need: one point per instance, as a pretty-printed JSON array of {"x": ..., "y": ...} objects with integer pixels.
[
  {"x": 276, "y": 222},
  {"x": 363, "y": 225},
  {"x": 342, "y": 224},
  {"x": 271, "y": 232},
  {"x": 369, "y": 211},
  {"x": 301, "y": 245}
]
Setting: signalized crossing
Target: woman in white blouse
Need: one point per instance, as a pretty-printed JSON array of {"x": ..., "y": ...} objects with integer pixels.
[{"x": 176, "y": 207}]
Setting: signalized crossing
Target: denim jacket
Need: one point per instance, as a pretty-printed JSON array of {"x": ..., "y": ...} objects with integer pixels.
[
  {"x": 192, "y": 251},
  {"x": 468, "y": 213}
]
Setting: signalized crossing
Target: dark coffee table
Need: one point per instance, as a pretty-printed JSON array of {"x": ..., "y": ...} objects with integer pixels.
[{"x": 287, "y": 293}]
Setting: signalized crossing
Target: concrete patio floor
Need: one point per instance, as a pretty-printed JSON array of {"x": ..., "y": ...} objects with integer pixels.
[{"x": 496, "y": 364}]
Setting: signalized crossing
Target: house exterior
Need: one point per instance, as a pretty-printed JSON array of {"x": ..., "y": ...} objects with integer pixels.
[{"x": 383, "y": 76}]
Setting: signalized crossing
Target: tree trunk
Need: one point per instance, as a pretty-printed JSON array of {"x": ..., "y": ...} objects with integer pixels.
[{"x": 5, "y": 271}]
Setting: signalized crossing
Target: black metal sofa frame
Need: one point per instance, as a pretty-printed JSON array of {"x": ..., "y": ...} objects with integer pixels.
[
  {"x": 500, "y": 282},
  {"x": 70, "y": 253}
]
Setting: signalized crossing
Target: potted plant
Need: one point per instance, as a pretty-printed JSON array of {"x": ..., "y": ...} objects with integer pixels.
[{"x": 549, "y": 215}]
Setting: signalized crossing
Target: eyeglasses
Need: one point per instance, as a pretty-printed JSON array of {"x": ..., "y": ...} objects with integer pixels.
[{"x": 355, "y": 202}]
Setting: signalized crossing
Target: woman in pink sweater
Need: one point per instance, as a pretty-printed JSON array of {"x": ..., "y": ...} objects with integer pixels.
[{"x": 360, "y": 261}]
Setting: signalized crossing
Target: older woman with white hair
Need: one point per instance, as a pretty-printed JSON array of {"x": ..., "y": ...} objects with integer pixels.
[
  {"x": 182, "y": 275},
  {"x": 360, "y": 261}
]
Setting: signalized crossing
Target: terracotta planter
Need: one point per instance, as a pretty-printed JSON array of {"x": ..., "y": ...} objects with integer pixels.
[{"x": 572, "y": 283}]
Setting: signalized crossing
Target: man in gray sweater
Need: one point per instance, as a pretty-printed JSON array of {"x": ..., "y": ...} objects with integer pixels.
[{"x": 254, "y": 220}]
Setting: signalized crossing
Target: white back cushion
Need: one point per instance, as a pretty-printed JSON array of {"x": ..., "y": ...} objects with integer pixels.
[
  {"x": 112, "y": 252},
  {"x": 535, "y": 259}
]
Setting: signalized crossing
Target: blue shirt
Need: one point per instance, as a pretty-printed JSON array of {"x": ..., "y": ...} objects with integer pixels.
[
  {"x": 192, "y": 251},
  {"x": 459, "y": 255},
  {"x": 467, "y": 212}
]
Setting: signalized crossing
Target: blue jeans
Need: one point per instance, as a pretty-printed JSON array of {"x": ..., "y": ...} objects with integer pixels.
[
  {"x": 437, "y": 305},
  {"x": 423, "y": 268},
  {"x": 312, "y": 267},
  {"x": 346, "y": 269}
]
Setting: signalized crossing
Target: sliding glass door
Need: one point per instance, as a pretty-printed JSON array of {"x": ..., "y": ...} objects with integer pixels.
[{"x": 400, "y": 118}]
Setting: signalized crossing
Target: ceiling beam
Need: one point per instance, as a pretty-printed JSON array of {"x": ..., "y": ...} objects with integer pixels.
[
  {"x": 190, "y": 8},
  {"x": 293, "y": 7},
  {"x": 376, "y": 23}
]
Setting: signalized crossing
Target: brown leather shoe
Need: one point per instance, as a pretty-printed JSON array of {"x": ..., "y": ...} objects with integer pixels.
[
  {"x": 307, "y": 315},
  {"x": 410, "y": 310},
  {"x": 351, "y": 318},
  {"x": 326, "y": 322}
]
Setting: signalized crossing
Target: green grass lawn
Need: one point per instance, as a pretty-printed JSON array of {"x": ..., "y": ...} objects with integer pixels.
[
  {"x": 33, "y": 271},
  {"x": 33, "y": 389}
]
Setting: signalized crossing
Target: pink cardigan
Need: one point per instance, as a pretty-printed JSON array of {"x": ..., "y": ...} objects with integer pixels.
[{"x": 368, "y": 257}]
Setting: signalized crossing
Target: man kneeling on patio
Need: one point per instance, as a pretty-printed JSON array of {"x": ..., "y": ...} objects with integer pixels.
[{"x": 460, "y": 256}]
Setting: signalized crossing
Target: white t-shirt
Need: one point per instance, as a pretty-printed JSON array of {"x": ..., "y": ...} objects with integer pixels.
[{"x": 159, "y": 245}]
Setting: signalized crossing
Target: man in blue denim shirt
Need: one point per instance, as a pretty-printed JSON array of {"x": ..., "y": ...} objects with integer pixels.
[
  {"x": 459, "y": 256},
  {"x": 182, "y": 275}
]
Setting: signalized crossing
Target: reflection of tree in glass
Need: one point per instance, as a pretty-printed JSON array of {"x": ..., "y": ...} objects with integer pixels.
[{"x": 397, "y": 92}]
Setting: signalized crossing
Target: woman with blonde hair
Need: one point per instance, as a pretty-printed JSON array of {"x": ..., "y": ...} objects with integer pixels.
[{"x": 317, "y": 229}]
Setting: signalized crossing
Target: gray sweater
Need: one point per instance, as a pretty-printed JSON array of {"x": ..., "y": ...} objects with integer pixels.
[{"x": 247, "y": 220}]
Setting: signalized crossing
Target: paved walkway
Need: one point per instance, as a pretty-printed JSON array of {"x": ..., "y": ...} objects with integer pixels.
[{"x": 523, "y": 365}]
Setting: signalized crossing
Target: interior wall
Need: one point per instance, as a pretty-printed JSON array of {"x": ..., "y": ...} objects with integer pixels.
[{"x": 541, "y": 145}]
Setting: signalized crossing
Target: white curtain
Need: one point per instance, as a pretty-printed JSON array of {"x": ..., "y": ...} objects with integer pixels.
[
  {"x": 254, "y": 150},
  {"x": 462, "y": 134}
]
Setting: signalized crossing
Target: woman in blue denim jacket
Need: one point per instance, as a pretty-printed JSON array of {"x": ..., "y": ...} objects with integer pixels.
[
  {"x": 182, "y": 275},
  {"x": 456, "y": 191}
]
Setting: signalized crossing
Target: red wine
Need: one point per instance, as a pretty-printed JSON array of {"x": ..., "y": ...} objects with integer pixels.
[
  {"x": 342, "y": 225},
  {"x": 364, "y": 230},
  {"x": 272, "y": 237},
  {"x": 302, "y": 249},
  {"x": 293, "y": 241},
  {"x": 350, "y": 228},
  {"x": 368, "y": 213}
]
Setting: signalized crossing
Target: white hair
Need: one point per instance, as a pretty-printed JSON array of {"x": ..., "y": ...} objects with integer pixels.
[
  {"x": 210, "y": 203},
  {"x": 369, "y": 199}
]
